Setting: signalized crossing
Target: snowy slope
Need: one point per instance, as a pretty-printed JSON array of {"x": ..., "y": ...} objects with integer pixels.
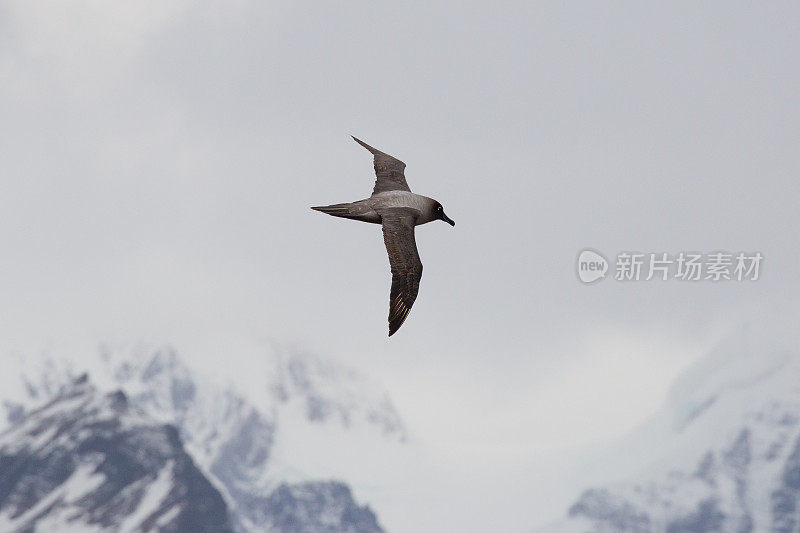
[
  {"x": 311, "y": 409},
  {"x": 89, "y": 461},
  {"x": 722, "y": 455}
]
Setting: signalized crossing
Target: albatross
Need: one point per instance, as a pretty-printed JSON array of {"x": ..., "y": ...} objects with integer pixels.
[{"x": 398, "y": 211}]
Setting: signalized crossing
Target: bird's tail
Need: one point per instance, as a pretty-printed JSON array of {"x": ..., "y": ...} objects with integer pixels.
[
  {"x": 353, "y": 210},
  {"x": 337, "y": 210}
]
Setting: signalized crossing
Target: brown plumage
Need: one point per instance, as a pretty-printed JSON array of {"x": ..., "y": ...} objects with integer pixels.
[
  {"x": 398, "y": 210},
  {"x": 406, "y": 266},
  {"x": 389, "y": 171}
]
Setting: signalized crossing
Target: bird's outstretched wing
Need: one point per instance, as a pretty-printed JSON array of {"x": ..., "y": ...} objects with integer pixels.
[
  {"x": 398, "y": 235},
  {"x": 389, "y": 171}
]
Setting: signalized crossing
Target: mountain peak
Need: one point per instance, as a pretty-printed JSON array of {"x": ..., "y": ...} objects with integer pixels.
[
  {"x": 233, "y": 440},
  {"x": 722, "y": 455},
  {"x": 86, "y": 460}
]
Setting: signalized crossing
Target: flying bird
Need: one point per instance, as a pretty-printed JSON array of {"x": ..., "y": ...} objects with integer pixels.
[{"x": 398, "y": 210}]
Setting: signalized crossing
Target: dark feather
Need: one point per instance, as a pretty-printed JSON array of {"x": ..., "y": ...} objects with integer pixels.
[
  {"x": 398, "y": 235},
  {"x": 389, "y": 172}
]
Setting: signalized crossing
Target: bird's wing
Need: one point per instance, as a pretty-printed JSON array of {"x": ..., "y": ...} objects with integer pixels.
[
  {"x": 389, "y": 171},
  {"x": 398, "y": 235}
]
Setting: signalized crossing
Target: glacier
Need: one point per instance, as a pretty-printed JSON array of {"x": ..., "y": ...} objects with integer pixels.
[{"x": 722, "y": 454}]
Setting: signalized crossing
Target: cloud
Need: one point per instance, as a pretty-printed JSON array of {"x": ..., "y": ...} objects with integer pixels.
[{"x": 158, "y": 163}]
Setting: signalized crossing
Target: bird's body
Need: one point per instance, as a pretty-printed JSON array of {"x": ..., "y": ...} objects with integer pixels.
[
  {"x": 368, "y": 209},
  {"x": 399, "y": 211}
]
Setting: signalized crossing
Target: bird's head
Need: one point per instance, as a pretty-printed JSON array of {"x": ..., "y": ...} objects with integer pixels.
[{"x": 438, "y": 214}]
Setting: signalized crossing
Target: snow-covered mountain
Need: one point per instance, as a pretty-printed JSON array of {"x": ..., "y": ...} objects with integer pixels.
[
  {"x": 723, "y": 454},
  {"x": 255, "y": 452},
  {"x": 89, "y": 461}
]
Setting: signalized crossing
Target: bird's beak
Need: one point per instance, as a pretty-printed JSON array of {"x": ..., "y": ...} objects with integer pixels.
[{"x": 447, "y": 219}]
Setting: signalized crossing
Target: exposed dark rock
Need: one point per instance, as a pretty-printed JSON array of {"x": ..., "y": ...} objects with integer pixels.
[
  {"x": 117, "y": 456},
  {"x": 706, "y": 519},
  {"x": 615, "y": 512},
  {"x": 321, "y": 507}
]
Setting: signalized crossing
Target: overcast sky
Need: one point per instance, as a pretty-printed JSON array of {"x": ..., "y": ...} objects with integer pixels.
[{"x": 158, "y": 161}]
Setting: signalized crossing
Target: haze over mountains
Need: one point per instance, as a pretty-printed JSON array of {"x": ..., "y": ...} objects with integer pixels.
[
  {"x": 324, "y": 450},
  {"x": 149, "y": 427},
  {"x": 723, "y": 454}
]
